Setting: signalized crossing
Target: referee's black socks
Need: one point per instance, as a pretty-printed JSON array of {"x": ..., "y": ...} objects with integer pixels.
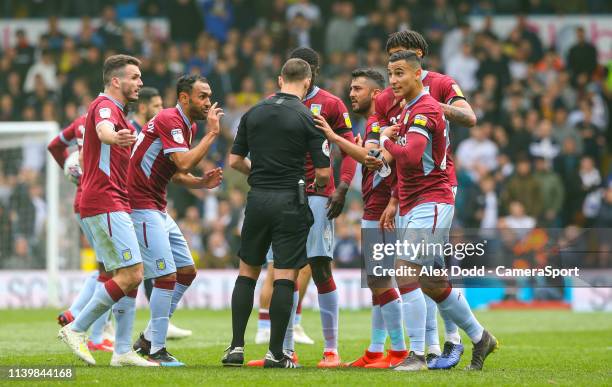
[
  {"x": 242, "y": 304},
  {"x": 280, "y": 312}
]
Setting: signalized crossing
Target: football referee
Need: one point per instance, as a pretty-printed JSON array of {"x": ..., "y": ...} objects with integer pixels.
[{"x": 277, "y": 133}]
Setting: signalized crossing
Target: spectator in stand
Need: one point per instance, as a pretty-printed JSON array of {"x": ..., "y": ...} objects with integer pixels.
[
  {"x": 46, "y": 69},
  {"x": 342, "y": 29},
  {"x": 582, "y": 57},
  {"x": 544, "y": 145},
  {"x": 186, "y": 21},
  {"x": 478, "y": 150},
  {"x": 551, "y": 193},
  {"x": 523, "y": 188},
  {"x": 463, "y": 68}
]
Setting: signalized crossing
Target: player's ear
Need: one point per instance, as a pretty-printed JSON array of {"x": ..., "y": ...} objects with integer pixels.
[
  {"x": 280, "y": 82},
  {"x": 418, "y": 73}
]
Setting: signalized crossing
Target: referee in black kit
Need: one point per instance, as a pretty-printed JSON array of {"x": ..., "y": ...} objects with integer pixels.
[{"x": 277, "y": 132}]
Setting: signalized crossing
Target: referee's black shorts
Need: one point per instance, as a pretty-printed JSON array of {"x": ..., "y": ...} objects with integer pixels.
[{"x": 275, "y": 217}]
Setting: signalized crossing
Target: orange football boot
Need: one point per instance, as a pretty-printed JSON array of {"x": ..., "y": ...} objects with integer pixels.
[
  {"x": 367, "y": 358},
  {"x": 330, "y": 360},
  {"x": 392, "y": 359}
]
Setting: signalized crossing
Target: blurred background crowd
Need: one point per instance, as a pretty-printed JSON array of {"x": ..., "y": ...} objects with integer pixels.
[{"x": 539, "y": 156}]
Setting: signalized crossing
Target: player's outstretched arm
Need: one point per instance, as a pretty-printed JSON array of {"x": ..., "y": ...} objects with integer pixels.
[
  {"x": 353, "y": 150},
  {"x": 107, "y": 134},
  {"x": 185, "y": 161},
  {"x": 459, "y": 112},
  {"x": 211, "y": 179},
  {"x": 58, "y": 150}
]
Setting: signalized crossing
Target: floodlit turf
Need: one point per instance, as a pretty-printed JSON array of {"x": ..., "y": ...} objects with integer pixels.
[{"x": 539, "y": 348}]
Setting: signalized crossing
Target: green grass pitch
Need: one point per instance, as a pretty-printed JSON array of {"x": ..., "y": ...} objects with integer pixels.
[{"x": 537, "y": 348}]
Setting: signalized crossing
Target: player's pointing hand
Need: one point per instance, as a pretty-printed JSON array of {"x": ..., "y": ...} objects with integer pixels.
[
  {"x": 214, "y": 117},
  {"x": 125, "y": 138},
  {"x": 212, "y": 178},
  {"x": 323, "y": 126}
]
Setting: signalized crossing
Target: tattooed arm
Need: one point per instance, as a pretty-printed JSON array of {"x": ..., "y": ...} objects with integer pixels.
[{"x": 459, "y": 112}]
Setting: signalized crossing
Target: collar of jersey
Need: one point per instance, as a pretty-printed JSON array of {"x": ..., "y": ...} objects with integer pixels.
[
  {"x": 310, "y": 95},
  {"x": 178, "y": 107},
  {"x": 119, "y": 104},
  {"x": 422, "y": 93},
  {"x": 424, "y": 74}
]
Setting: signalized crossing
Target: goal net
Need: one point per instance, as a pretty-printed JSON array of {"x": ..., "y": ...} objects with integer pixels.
[{"x": 37, "y": 225}]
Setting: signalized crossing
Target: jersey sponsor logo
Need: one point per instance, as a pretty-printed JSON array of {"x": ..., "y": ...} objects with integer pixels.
[
  {"x": 420, "y": 119},
  {"x": 104, "y": 112},
  {"x": 375, "y": 127},
  {"x": 160, "y": 264},
  {"x": 347, "y": 120},
  {"x": 402, "y": 140},
  {"x": 177, "y": 135},
  {"x": 325, "y": 148},
  {"x": 457, "y": 90},
  {"x": 316, "y": 108},
  {"x": 126, "y": 254}
]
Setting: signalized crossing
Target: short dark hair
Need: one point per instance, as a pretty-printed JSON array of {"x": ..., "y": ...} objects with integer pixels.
[
  {"x": 115, "y": 64},
  {"x": 408, "y": 39},
  {"x": 306, "y": 53},
  {"x": 295, "y": 69},
  {"x": 371, "y": 74},
  {"x": 145, "y": 95},
  {"x": 407, "y": 55},
  {"x": 185, "y": 83}
]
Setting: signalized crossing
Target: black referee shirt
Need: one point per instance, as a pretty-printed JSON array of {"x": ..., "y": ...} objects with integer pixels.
[{"x": 278, "y": 132}]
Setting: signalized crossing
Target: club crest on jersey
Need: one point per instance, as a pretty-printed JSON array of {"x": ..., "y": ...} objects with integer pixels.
[
  {"x": 177, "y": 135},
  {"x": 105, "y": 113},
  {"x": 161, "y": 264},
  {"x": 347, "y": 120},
  {"x": 316, "y": 108},
  {"x": 420, "y": 119},
  {"x": 325, "y": 148},
  {"x": 375, "y": 127},
  {"x": 126, "y": 254}
]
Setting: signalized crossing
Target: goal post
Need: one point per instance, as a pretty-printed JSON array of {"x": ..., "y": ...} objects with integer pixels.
[{"x": 31, "y": 138}]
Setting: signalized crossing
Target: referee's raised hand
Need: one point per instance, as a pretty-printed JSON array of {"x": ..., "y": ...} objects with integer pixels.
[{"x": 213, "y": 119}]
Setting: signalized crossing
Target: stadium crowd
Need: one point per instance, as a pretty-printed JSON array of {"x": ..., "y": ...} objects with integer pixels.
[{"x": 539, "y": 155}]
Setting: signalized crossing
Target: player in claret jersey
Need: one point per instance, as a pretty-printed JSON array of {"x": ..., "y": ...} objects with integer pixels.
[
  {"x": 325, "y": 207},
  {"x": 148, "y": 105},
  {"x": 376, "y": 186},
  {"x": 105, "y": 208},
  {"x": 426, "y": 209},
  {"x": 101, "y": 338},
  {"x": 162, "y": 154},
  {"x": 458, "y": 111}
]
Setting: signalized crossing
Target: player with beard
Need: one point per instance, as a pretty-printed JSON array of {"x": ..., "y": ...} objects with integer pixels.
[
  {"x": 102, "y": 332},
  {"x": 105, "y": 211},
  {"x": 149, "y": 104},
  {"x": 458, "y": 111},
  {"x": 162, "y": 154},
  {"x": 366, "y": 84}
]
